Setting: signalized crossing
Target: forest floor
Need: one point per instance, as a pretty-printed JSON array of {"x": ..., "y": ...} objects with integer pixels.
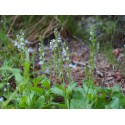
[{"x": 105, "y": 74}]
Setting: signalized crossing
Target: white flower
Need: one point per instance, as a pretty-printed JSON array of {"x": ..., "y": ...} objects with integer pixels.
[
  {"x": 43, "y": 54},
  {"x": 64, "y": 52},
  {"x": 90, "y": 38},
  {"x": 67, "y": 58},
  {"x": 41, "y": 62},
  {"x": 29, "y": 50},
  {"x": 60, "y": 73},
  {"x": 1, "y": 99},
  {"x": 53, "y": 40},
  {"x": 26, "y": 41},
  {"x": 5, "y": 89},
  {"x": 17, "y": 36},
  {"x": 59, "y": 40},
  {"x": 39, "y": 49},
  {"x": 21, "y": 43},
  {"x": 19, "y": 46},
  {"x": 91, "y": 32},
  {"x": 40, "y": 57},
  {"x": 22, "y": 47},
  {"x": 55, "y": 45},
  {"x": 16, "y": 43},
  {"x": 21, "y": 39},
  {"x": 22, "y": 34},
  {"x": 67, "y": 48},
  {"x": 51, "y": 45},
  {"x": 8, "y": 83}
]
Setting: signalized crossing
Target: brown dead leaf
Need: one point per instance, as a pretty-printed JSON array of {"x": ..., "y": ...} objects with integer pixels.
[
  {"x": 118, "y": 76},
  {"x": 116, "y": 52}
]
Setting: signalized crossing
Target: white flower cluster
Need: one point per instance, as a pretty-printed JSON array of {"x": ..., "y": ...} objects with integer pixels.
[
  {"x": 42, "y": 54},
  {"x": 65, "y": 54},
  {"x": 91, "y": 32},
  {"x": 54, "y": 43},
  {"x": 20, "y": 41},
  {"x": 91, "y": 35}
]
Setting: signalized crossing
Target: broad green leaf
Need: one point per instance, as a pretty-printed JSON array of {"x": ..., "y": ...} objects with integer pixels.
[
  {"x": 72, "y": 86},
  {"x": 77, "y": 94},
  {"x": 46, "y": 83},
  {"x": 36, "y": 80},
  {"x": 85, "y": 88},
  {"x": 80, "y": 104},
  {"x": 1, "y": 85},
  {"x": 56, "y": 90},
  {"x": 39, "y": 104},
  {"x": 115, "y": 103},
  {"x": 38, "y": 90},
  {"x": 116, "y": 88}
]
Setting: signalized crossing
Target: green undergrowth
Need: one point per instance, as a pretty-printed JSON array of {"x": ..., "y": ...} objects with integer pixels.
[{"x": 36, "y": 91}]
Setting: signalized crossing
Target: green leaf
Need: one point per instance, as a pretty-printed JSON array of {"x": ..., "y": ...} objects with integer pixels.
[
  {"x": 85, "y": 88},
  {"x": 116, "y": 88},
  {"x": 38, "y": 90},
  {"x": 39, "y": 104},
  {"x": 76, "y": 104},
  {"x": 58, "y": 91},
  {"x": 16, "y": 73},
  {"x": 46, "y": 83},
  {"x": 36, "y": 80},
  {"x": 80, "y": 104},
  {"x": 115, "y": 103},
  {"x": 1, "y": 85},
  {"x": 72, "y": 86},
  {"x": 78, "y": 93}
]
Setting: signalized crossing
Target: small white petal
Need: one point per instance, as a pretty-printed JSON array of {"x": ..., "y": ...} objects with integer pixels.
[
  {"x": 1, "y": 99},
  {"x": 90, "y": 38},
  {"x": 53, "y": 40},
  {"x": 16, "y": 43},
  {"x": 41, "y": 62},
  {"x": 22, "y": 47},
  {"x": 5, "y": 89},
  {"x": 8, "y": 83},
  {"x": 18, "y": 46},
  {"x": 17, "y": 36},
  {"x": 55, "y": 45},
  {"x": 26, "y": 41},
  {"x": 91, "y": 32},
  {"x": 67, "y": 48},
  {"x": 39, "y": 49},
  {"x": 21, "y": 43},
  {"x": 22, "y": 34},
  {"x": 67, "y": 58},
  {"x": 21, "y": 39},
  {"x": 40, "y": 58}
]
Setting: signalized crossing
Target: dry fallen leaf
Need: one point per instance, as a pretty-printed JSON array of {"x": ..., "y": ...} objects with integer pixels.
[
  {"x": 116, "y": 52},
  {"x": 118, "y": 76}
]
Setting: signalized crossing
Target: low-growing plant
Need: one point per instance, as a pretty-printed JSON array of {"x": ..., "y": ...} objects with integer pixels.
[{"x": 22, "y": 88}]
